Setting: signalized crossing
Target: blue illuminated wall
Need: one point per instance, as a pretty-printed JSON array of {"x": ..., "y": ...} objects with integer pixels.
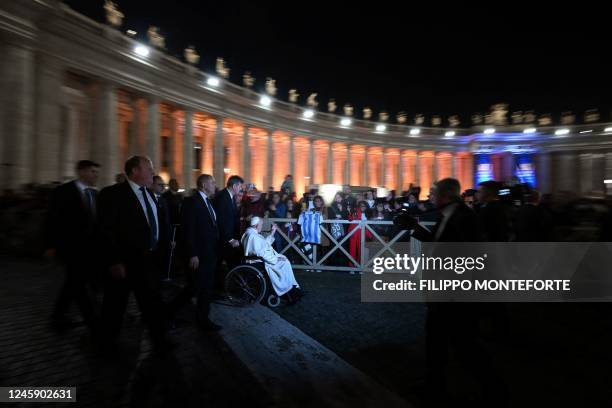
[
  {"x": 484, "y": 168},
  {"x": 524, "y": 169}
]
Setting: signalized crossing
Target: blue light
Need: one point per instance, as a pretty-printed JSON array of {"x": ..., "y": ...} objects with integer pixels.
[
  {"x": 484, "y": 169},
  {"x": 524, "y": 170}
]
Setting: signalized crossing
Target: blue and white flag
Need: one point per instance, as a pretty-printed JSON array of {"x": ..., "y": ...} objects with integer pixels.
[{"x": 311, "y": 231}]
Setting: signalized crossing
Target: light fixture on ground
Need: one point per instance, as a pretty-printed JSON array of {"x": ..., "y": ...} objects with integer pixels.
[
  {"x": 381, "y": 128},
  {"x": 489, "y": 131},
  {"x": 213, "y": 81},
  {"x": 450, "y": 133},
  {"x": 265, "y": 101},
  {"x": 561, "y": 132},
  {"x": 415, "y": 131},
  {"x": 586, "y": 131},
  {"x": 142, "y": 50},
  {"x": 529, "y": 130},
  {"x": 608, "y": 129},
  {"x": 309, "y": 114},
  {"x": 345, "y": 122}
]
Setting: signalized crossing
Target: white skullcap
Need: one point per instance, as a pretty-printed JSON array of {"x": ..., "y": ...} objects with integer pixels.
[{"x": 255, "y": 221}]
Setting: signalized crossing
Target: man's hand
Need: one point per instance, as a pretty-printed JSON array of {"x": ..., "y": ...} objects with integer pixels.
[
  {"x": 172, "y": 244},
  {"x": 234, "y": 243},
  {"x": 117, "y": 271},
  {"x": 194, "y": 262},
  {"x": 274, "y": 229}
]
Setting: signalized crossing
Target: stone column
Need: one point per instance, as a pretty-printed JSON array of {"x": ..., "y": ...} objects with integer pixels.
[
  {"x": 292, "y": 156},
  {"x": 246, "y": 155},
  {"x": 219, "y": 154},
  {"x": 434, "y": 170},
  {"x": 270, "y": 162},
  {"x": 366, "y": 182},
  {"x": 153, "y": 132},
  {"x": 48, "y": 122},
  {"x": 543, "y": 172},
  {"x": 347, "y": 166},
  {"x": 106, "y": 142},
  {"x": 566, "y": 171},
  {"x": 134, "y": 144},
  {"x": 400, "y": 173},
  {"x": 188, "y": 153},
  {"x": 383, "y": 176},
  {"x": 311, "y": 161},
  {"x": 454, "y": 167},
  {"x": 70, "y": 141},
  {"x": 586, "y": 173},
  {"x": 330, "y": 163},
  {"x": 608, "y": 173},
  {"x": 417, "y": 173}
]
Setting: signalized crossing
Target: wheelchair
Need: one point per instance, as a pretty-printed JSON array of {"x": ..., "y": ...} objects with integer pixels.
[{"x": 248, "y": 284}]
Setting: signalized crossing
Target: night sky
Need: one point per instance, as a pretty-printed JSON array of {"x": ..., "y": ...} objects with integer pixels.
[{"x": 430, "y": 60}]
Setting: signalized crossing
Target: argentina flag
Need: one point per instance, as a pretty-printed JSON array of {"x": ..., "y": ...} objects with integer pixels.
[{"x": 310, "y": 222}]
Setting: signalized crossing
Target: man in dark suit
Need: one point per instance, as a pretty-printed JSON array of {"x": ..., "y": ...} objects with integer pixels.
[
  {"x": 174, "y": 199},
  {"x": 134, "y": 231},
  {"x": 70, "y": 235},
  {"x": 454, "y": 324},
  {"x": 201, "y": 245},
  {"x": 494, "y": 214},
  {"x": 228, "y": 220}
]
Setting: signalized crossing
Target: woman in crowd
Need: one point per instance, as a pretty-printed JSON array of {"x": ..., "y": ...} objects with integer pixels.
[
  {"x": 358, "y": 214},
  {"x": 338, "y": 211}
]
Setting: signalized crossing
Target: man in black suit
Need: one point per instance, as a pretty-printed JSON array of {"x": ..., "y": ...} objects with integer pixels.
[
  {"x": 494, "y": 214},
  {"x": 174, "y": 199},
  {"x": 201, "y": 245},
  {"x": 228, "y": 220},
  {"x": 70, "y": 235},
  {"x": 454, "y": 324},
  {"x": 134, "y": 231}
]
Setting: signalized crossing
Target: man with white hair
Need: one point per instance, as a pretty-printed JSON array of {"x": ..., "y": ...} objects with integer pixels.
[{"x": 277, "y": 266}]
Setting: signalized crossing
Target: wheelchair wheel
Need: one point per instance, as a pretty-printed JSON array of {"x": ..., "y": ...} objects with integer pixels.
[
  {"x": 273, "y": 300},
  {"x": 245, "y": 285}
]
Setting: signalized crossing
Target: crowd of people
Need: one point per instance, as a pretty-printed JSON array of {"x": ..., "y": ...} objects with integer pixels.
[{"x": 124, "y": 238}]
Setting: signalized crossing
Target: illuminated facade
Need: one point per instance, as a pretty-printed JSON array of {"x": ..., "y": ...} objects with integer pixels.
[{"x": 73, "y": 88}]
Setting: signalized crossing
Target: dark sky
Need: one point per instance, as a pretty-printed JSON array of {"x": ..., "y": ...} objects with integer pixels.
[{"x": 397, "y": 55}]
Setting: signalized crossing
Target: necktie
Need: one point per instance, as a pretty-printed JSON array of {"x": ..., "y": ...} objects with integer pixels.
[
  {"x": 151, "y": 217},
  {"x": 90, "y": 202}
]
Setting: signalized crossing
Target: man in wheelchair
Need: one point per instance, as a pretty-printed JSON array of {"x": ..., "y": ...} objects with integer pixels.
[{"x": 277, "y": 266}]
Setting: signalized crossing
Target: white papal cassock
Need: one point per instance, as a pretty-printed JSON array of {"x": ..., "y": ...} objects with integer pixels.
[{"x": 278, "y": 266}]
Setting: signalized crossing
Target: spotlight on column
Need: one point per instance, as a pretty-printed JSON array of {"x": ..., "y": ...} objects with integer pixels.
[
  {"x": 213, "y": 81},
  {"x": 489, "y": 131},
  {"x": 309, "y": 114},
  {"x": 265, "y": 101},
  {"x": 381, "y": 128},
  {"x": 345, "y": 122},
  {"x": 141, "y": 50},
  {"x": 529, "y": 130},
  {"x": 608, "y": 129},
  {"x": 586, "y": 131},
  {"x": 415, "y": 131},
  {"x": 607, "y": 181},
  {"x": 561, "y": 132},
  {"x": 450, "y": 133}
]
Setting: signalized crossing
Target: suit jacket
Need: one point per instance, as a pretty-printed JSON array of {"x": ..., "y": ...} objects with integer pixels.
[
  {"x": 495, "y": 220},
  {"x": 125, "y": 231},
  {"x": 462, "y": 226},
  {"x": 200, "y": 232},
  {"x": 70, "y": 227},
  {"x": 174, "y": 202},
  {"x": 227, "y": 217}
]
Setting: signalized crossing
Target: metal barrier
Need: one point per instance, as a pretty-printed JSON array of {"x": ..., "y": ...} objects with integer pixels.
[{"x": 360, "y": 265}]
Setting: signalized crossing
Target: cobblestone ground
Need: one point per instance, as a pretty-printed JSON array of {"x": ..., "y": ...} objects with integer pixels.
[
  {"x": 202, "y": 371},
  {"x": 548, "y": 354}
]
